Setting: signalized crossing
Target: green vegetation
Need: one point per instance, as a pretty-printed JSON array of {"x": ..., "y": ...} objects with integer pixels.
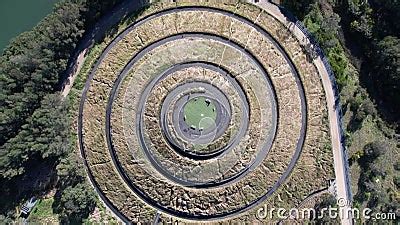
[
  {"x": 75, "y": 203},
  {"x": 38, "y": 153},
  {"x": 373, "y": 27},
  {"x": 199, "y": 113},
  {"x": 361, "y": 41},
  {"x": 35, "y": 136},
  {"x": 43, "y": 212},
  {"x": 324, "y": 26},
  {"x": 31, "y": 67}
]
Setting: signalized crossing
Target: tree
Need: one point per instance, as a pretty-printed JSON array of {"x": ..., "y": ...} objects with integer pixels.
[
  {"x": 299, "y": 8},
  {"x": 361, "y": 19},
  {"x": 324, "y": 25},
  {"x": 75, "y": 199},
  {"x": 362, "y": 107},
  {"x": 33, "y": 117},
  {"x": 387, "y": 17},
  {"x": 387, "y": 69},
  {"x": 98, "y": 8},
  {"x": 75, "y": 203},
  {"x": 375, "y": 149},
  {"x": 70, "y": 171},
  {"x": 45, "y": 136},
  {"x": 32, "y": 65}
]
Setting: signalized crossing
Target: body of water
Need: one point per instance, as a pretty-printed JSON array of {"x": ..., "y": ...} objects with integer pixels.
[{"x": 17, "y": 16}]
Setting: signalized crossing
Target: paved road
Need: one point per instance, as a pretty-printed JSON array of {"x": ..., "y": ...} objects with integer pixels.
[
  {"x": 258, "y": 159},
  {"x": 96, "y": 33},
  {"x": 339, "y": 154},
  {"x": 136, "y": 189},
  {"x": 142, "y": 101},
  {"x": 222, "y": 123},
  {"x": 75, "y": 64}
]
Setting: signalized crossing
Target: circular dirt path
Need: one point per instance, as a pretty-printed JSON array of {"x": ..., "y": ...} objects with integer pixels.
[{"x": 259, "y": 149}]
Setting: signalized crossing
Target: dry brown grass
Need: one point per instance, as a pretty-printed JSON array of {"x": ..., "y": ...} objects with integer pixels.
[{"x": 314, "y": 167}]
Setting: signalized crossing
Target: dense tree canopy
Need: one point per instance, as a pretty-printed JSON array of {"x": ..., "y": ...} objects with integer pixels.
[
  {"x": 387, "y": 16},
  {"x": 44, "y": 136},
  {"x": 299, "y": 8},
  {"x": 32, "y": 65},
  {"x": 34, "y": 120},
  {"x": 31, "y": 69},
  {"x": 76, "y": 203},
  {"x": 376, "y": 26},
  {"x": 387, "y": 69}
]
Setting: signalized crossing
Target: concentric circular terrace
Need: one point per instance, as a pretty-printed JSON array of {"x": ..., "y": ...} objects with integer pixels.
[{"x": 202, "y": 112}]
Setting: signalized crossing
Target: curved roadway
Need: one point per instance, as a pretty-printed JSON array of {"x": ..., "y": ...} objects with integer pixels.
[
  {"x": 120, "y": 170},
  {"x": 339, "y": 150},
  {"x": 222, "y": 123}
]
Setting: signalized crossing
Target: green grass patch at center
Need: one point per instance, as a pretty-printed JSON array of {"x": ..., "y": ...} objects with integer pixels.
[{"x": 200, "y": 113}]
